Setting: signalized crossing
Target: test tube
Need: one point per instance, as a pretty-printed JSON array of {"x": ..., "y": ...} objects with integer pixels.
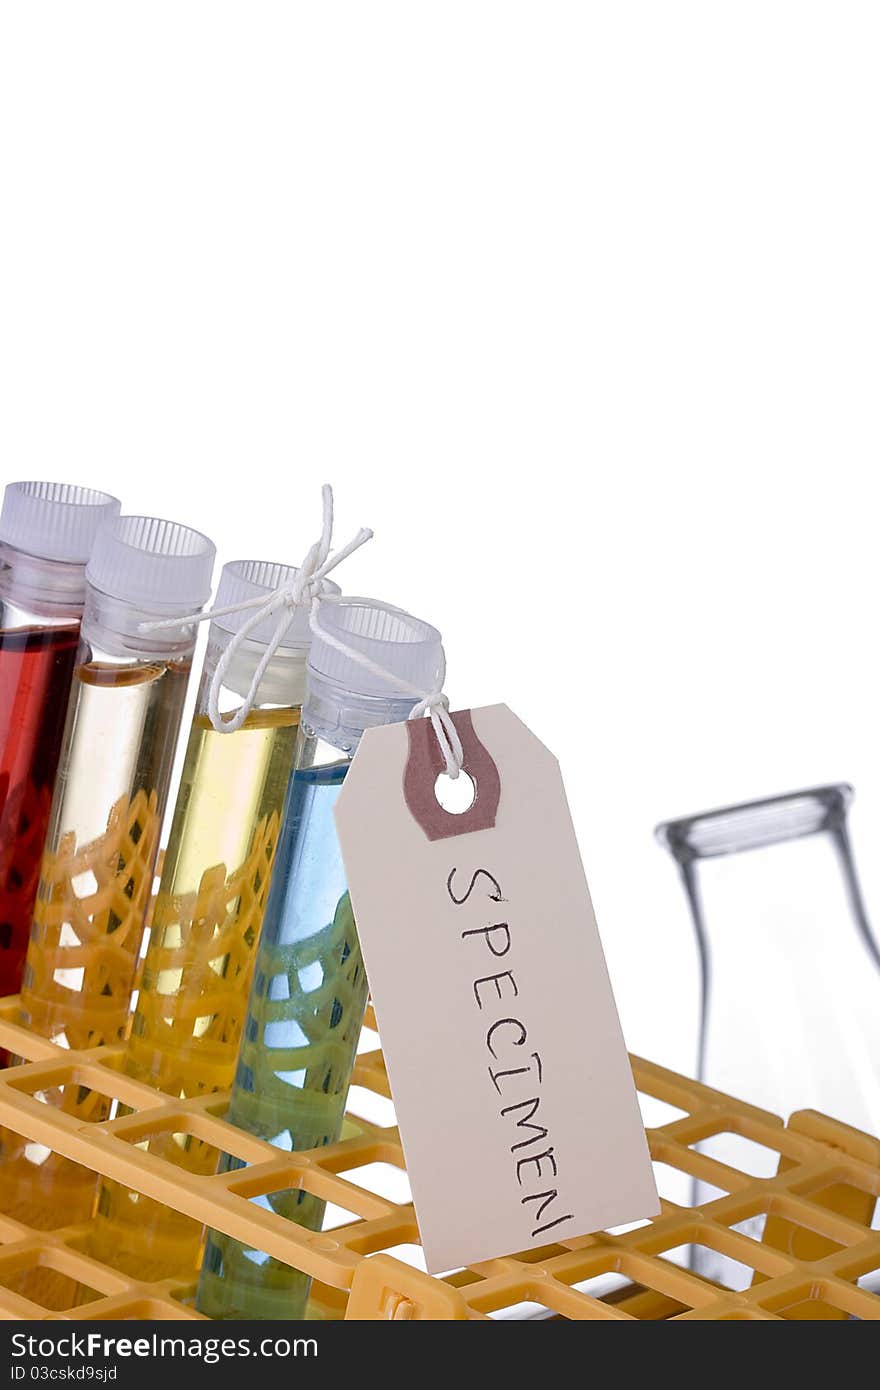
[
  {"x": 46, "y": 535},
  {"x": 209, "y": 909},
  {"x": 96, "y": 878},
  {"x": 309, "y": 988}
]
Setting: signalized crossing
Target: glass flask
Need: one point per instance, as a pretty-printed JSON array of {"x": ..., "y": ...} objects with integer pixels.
[{"x": 790, "y": 966}]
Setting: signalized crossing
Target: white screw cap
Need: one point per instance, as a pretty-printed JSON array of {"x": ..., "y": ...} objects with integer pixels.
[
  {"x": 244, "y": 580},
  {"x": 149, "y": 562},
  {"x": 54, "y": 521},
  {"x": 407, "y": 647}
]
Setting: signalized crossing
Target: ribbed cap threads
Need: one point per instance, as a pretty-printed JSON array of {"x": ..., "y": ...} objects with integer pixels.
[
  {"x": 147, "y": 561},
  {"x": 242, "y": 580},
  {"x": 54, "y": 521},
  {"x": 405, "y": 646}
]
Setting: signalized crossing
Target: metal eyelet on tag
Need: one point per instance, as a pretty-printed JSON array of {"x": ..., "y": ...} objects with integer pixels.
[{"x": 423, "y": 767}]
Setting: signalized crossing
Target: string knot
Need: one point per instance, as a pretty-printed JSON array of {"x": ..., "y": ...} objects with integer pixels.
[
  {"x": 436, "y": 706},
  {"x": 306, "y": 591}
]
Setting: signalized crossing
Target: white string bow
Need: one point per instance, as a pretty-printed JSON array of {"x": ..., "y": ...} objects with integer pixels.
[{"x": 308, "y": 590}]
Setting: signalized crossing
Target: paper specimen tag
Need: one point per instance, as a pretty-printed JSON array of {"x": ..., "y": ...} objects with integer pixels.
[{"x": 514, "y": 1095}]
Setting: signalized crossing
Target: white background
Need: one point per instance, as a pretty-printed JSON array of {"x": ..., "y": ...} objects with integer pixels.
[{"x": 577, "y": 306}]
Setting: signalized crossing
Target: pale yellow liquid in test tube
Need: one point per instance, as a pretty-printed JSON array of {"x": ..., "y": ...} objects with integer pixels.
[{"x": 96, "y": 881}]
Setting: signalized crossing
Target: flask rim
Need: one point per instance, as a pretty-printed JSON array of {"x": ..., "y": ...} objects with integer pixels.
[{"x": 756, "y": 824}]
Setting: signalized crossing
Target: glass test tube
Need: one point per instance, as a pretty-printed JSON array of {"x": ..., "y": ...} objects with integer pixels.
[
  {"x": 98, "y": 866},
  {"x": 309, "y": 989},
  {"x": 46, "y": 536},
  {"x": 209, "y": 909}
]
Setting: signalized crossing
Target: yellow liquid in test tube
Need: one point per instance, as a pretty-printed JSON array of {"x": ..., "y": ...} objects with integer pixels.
[{"x": 95, "y": 884}]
